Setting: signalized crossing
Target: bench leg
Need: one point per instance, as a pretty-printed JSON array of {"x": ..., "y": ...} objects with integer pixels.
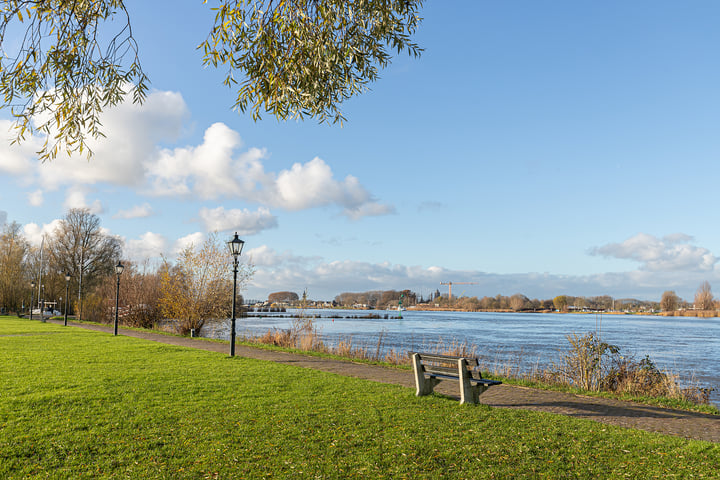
[
  {"x": 469, "y": 393},
  {"x": 424, "y": 385}
]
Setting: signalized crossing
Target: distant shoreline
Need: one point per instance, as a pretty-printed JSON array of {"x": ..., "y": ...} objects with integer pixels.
[
  {"x": 683, "y": 313},
  {"x": 426, "y": 308}
]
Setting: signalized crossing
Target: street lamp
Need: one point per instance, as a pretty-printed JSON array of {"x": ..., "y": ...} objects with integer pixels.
[
  {"x": 67, "y": 287},
  {"x": 32, "y": 297},
  {"x": 236, "y": 246},
  {"x": 118, "y": 269},
  {"x": 42, "y": 303}
]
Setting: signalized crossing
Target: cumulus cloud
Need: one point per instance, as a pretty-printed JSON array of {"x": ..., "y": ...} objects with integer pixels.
[
  {"x": 17, "y": 160},
  {"x": 213, "y": 170},
  {"x": 34, "y": 232},
  {"x": 149, "y": 245},
  {"x": 276, "y": 271},
  {"x": 671, "y": 253},
  {"x": 75, "y": 198},
  {"x": 192, "y": 240},
  {"x": 244, "y": 222},
  {"x": 130, "y": 155},
  {"x": 325, "y": 279},
  {"x": 138, "y": 211},
  {"x": 132, "y": 134}
]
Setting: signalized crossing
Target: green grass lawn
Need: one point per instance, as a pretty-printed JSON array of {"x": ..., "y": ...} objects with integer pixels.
[{"x": 81, "y": 404}]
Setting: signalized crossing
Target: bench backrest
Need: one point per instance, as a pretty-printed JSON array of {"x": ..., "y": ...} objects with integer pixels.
[{"x": 445, "y": 364}]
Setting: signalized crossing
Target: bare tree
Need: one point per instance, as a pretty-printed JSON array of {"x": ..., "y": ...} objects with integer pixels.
[
  {"x": 79, "y": 247},
  {"x": 704, "y": 297},
  {"x": 139, "y": 297},
  {"x": 196, "y": 288},
  {"x": 14, "y": 249},
  {"x": 519, "y": 302},
  {"x": 669, "y": 301}
]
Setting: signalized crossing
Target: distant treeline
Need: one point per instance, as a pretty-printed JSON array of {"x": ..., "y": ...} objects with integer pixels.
[
  {"x": 517, "y": 302},
  {"x": 704, "y": 301}
]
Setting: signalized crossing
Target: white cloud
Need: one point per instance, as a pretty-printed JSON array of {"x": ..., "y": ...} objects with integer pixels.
[
  {"x": 132, "y": 133},
  {"x": 149, "y": 245},
  {"x": 75, "y": 198},
  {"x": 672, "y": 253},
  {"x": 212, "y": 170},
  {"x": 138, "y": 211},
  {"x": 17, "y": 159},
  {"x": 324, "y": 279},
  {"x": 312, "y": 185},
  {"x": 34, "y": 233},
  {"x": 242, "y": 221},
  {"x": 192, "y": 240},
  {"x": 205, "y": 170},
  {"x": 36, "y": 198},
  {"x": 130, "y": 156}
]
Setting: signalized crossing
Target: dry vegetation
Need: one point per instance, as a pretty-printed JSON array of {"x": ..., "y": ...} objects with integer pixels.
[{"x": 589, "y": 364}]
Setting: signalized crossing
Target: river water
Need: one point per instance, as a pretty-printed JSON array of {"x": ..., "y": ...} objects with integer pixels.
[{"x": 687, "y": 346}]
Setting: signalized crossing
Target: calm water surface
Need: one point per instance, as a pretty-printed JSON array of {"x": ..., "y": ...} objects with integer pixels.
[{"x": 688, "y": 346}]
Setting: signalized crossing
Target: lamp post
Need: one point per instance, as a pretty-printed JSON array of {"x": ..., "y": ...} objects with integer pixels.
[
  {"x": 67, "y": 287},
  {"x": 42, "y": 303},
  {"x": 236, "y": 246},
  {"x": 118, "y": 269},
  {"x": 32, "y": 297}
]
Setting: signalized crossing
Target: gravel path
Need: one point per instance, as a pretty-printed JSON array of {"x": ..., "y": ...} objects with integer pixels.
[{"x": 692, "y": 425}]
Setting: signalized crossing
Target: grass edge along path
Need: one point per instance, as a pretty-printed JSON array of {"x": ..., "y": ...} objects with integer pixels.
[
  {"x": 688, "y": 424},
  {"x": 608, "y": 410},
  {"x": 80, "y": 404}
]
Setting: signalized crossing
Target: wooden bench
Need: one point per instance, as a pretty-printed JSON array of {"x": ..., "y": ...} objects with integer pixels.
[{"x": 430, "y": 369}]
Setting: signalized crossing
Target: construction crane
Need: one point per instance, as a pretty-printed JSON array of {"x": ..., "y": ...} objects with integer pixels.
[{"x": 450, "y": 284}]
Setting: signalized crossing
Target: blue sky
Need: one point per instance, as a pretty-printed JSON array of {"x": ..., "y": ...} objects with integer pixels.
[{"x": 542, "y": 148}]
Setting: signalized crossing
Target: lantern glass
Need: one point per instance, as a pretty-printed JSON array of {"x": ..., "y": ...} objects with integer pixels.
[{"x": 236, "y": 245}]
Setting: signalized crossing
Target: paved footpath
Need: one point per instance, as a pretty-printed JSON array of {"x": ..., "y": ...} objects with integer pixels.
[{"x": 693, "y": 425}]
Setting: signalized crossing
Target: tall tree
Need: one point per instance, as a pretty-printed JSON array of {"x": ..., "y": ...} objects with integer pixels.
[
  {"x": 79, "y": 246},
  {"x": 519, "y": 302},
  {"x": 297, "y": 58},
  {"x": 13, "y": 251},
  {"x": 560, "y": 302},
  {"x": 196, "y": 288},
  {"x": 704, "y": 297},
  {"x": 669, "y": 301}
]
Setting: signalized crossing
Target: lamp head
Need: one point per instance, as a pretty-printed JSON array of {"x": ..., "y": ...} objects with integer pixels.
[
  {"x": 235, "y": 245},
  {"x": 119, "y": 268}
]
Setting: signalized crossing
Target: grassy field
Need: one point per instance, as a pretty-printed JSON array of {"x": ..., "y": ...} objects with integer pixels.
[{"x": 82, "y": 404}]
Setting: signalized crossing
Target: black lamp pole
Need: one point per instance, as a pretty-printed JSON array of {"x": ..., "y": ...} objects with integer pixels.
[
  {"x": 32, "y": 297},
  {"x": 236, "y": 246},
  {"x": 67, "y": 288},
  {"x": 118, "y": 269}
]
